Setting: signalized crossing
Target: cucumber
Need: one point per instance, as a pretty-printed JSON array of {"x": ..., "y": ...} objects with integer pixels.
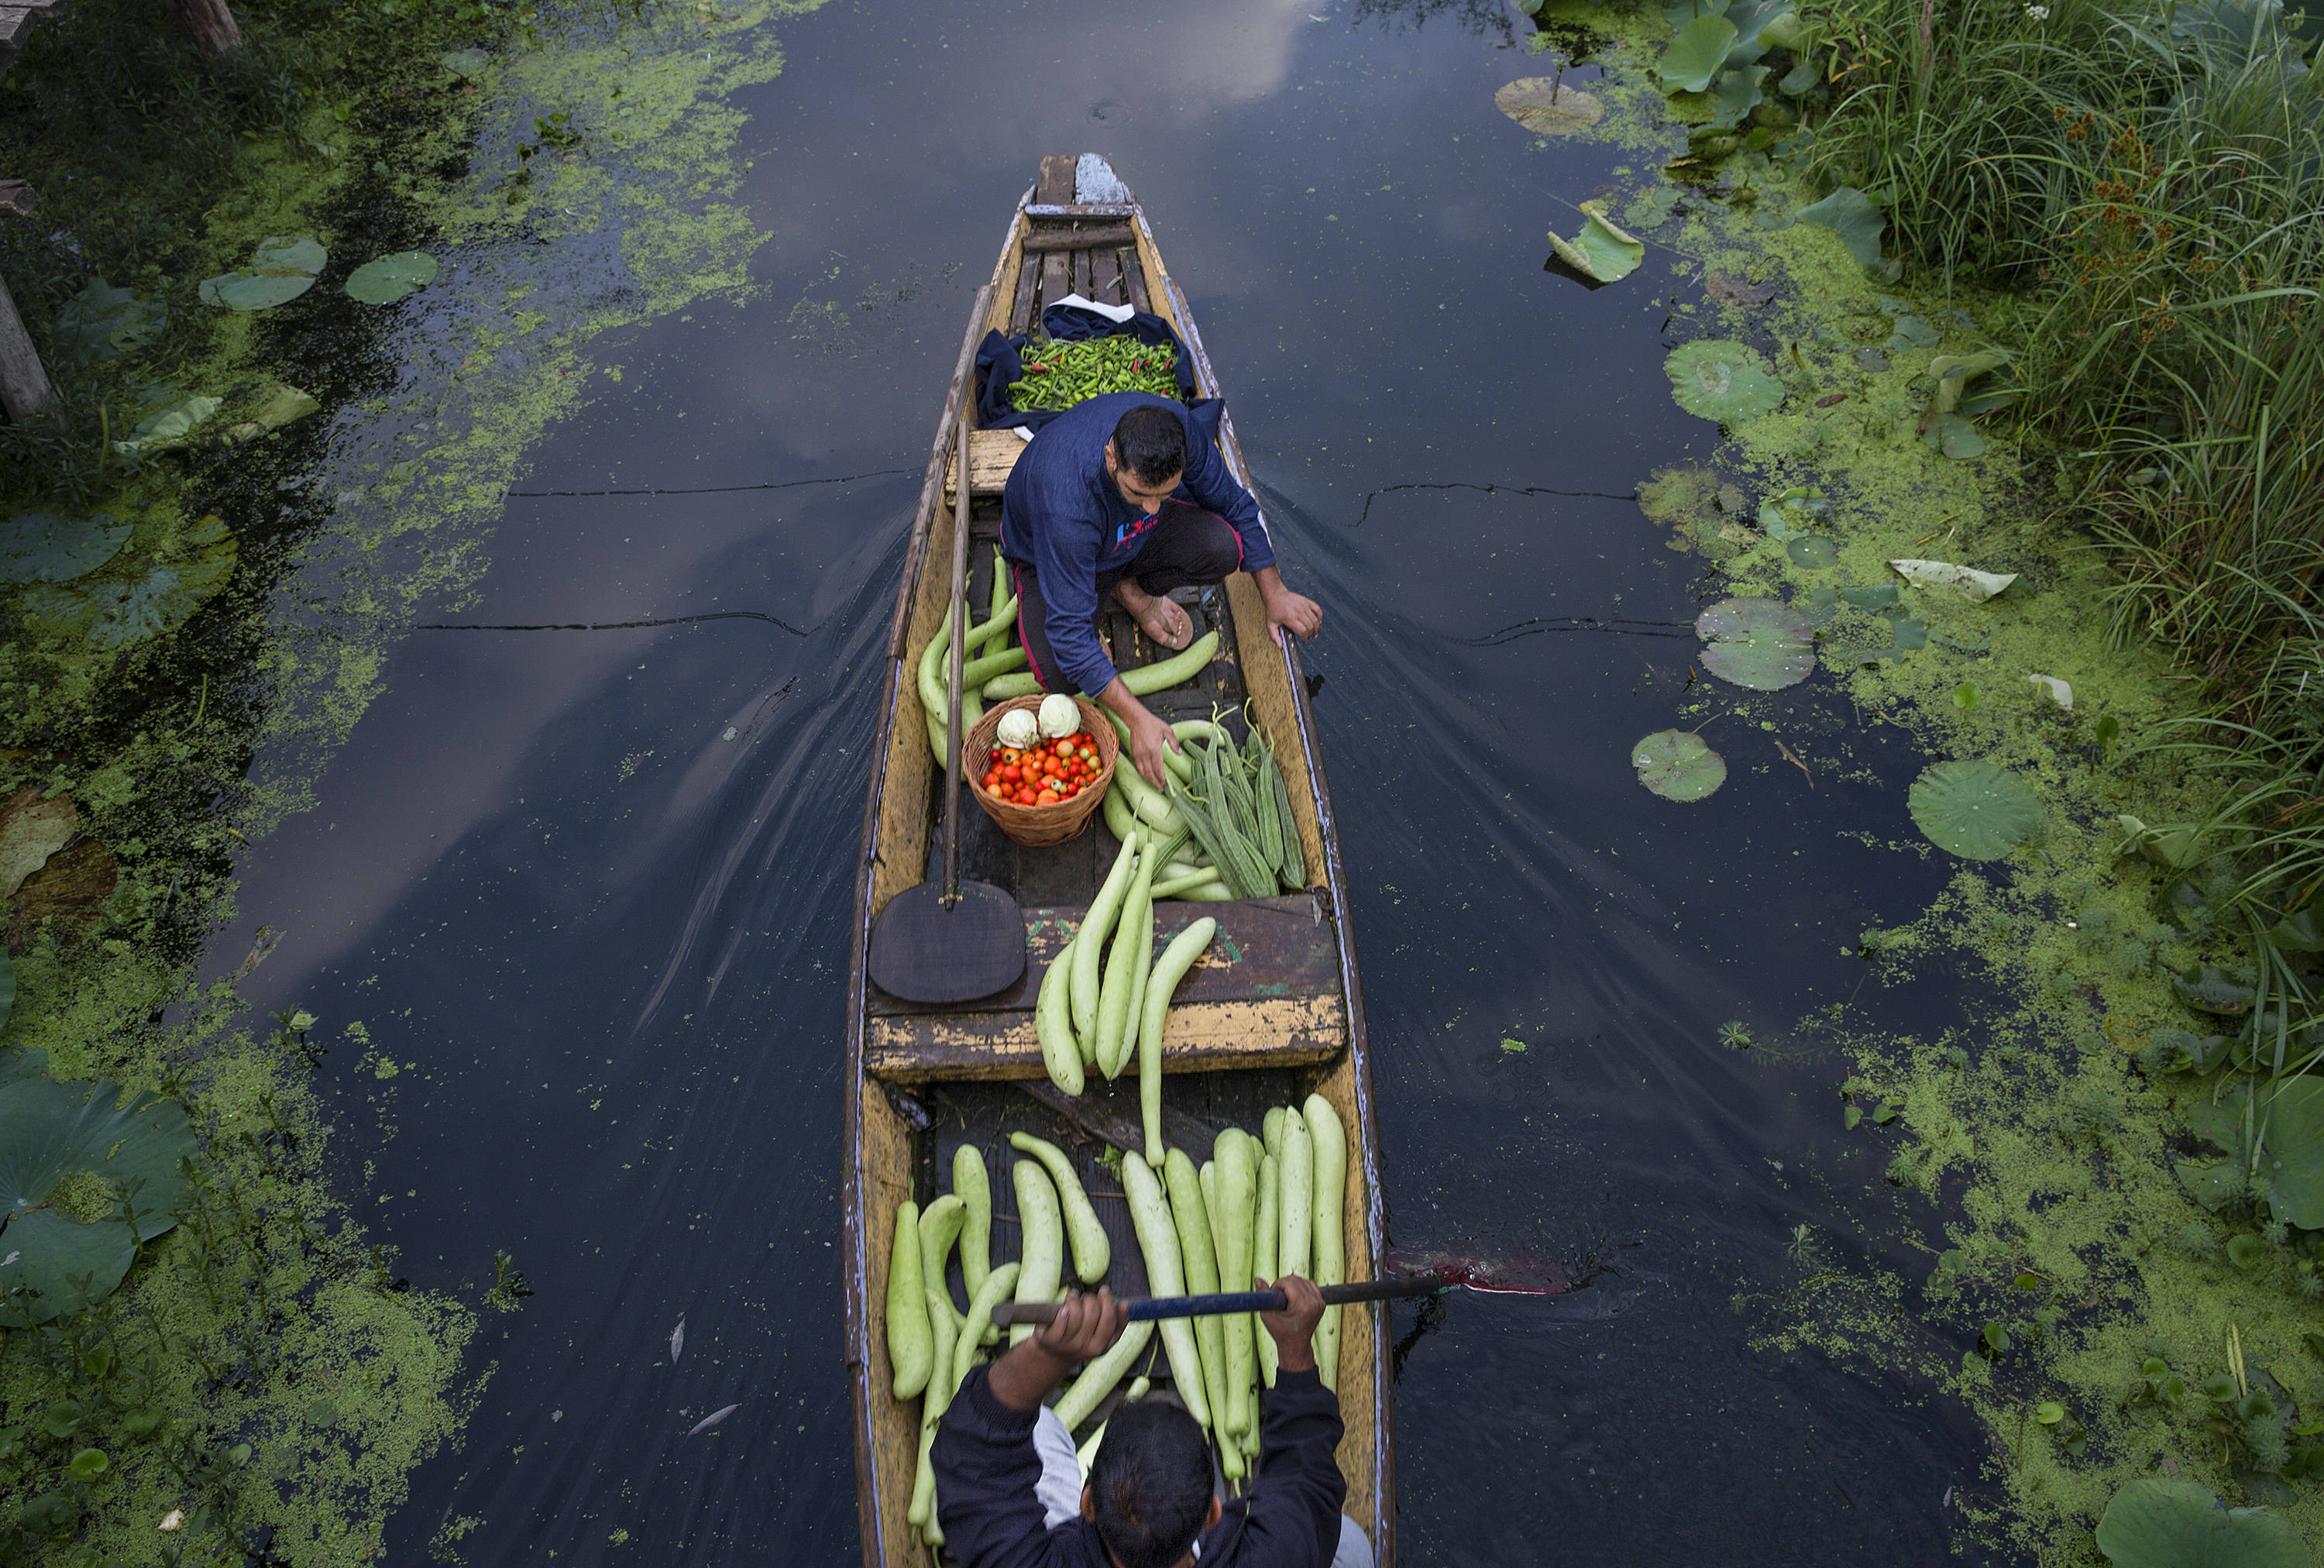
[
  {"x": 1295, "y": 1242},
  {"x": 1165, "y": 1275},
  {"x": 977, "y": 1326},
  {"x": 1331, "y": 1140},
  {"x": 1053, "y": 1024},
  {"x": 1098, "y": 1379},
  {"x": 1172, "y": 758},
  {"x": 1142, "y": 969},
  {"x": 1000, "y": 594},
  {"x": 1151, "y": 805},
  {"x": 1235, "y": 1190},
  {"x": 1091, "y": 1252},
  {"x": 1201, "y": 1276},
  {"x": 940, "y": 1224},
  {"x": 909, "y": 1351},
  {"x": 1202, "y": 882},
  {"x": 1271, "y": 1132},
  {"x": 1125, "y": 965},
  {"x": 1267, "y": 1246},
  {"x": 1043, "y": 1259},
  {"x": 1121, "y": 820},
  {"x": 1089, "y": 942},
  {"x": 975, "y": 672},
  {"x": 1148, "y": 678},
  {"x": 933, "y": 1405},
  {"x": 1168, "y": 969},
  {"x": 975, "y": 1194}
]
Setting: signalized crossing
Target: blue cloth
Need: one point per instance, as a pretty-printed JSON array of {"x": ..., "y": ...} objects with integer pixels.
[
  {"x": 1063, "y": 515},
  {"x": 1000, "y": 361}
]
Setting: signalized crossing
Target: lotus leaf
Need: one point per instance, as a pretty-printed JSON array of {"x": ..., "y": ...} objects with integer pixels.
[
  {"x": 1906, "y": 632},
  {"x": 1694, "y": 56},
  {"x": 1953, "y": 371},
  {"x": 2292, "y": 1118},
  {"x": 98, "y": 322},
  {"x": 468, "y": 63},
  {"x": 42, "y": 547},
  {"x": 1975, "y": 809},
  {"x": 2058, "y": 691},
  {"x": 1878, "y": 597},
  {"x": 1752, "y": 18},
  {"x": 113, "y": 613},
  {"x": 285, "y": 405},
  {"x": 1792, "y": 514},
  {"x": 280, "y": 270},
  {"x": 1653, "y": 207},
  {"x": 1756, "y": 643},
  {"x": 1814, "y": 552},
  {"x": 1871, "y": 361},
  {"x": 1736, "y": 94},
  {"x": 1819, "y": 605},
  {"x": 1542, "y": 106},
  {"x": 1727, "y": 382},
  {"x": 1911, "y": 332},
  {"x": 1677, "y": 765},
  {"x": 167, "y": 425},
  {"x": 1953, "y": 436},
  {"x": 50, "y": 1131},
  {"x": 1966, "y": 581},
  {"x": 387, "y": 278},
  {"x": 2177, "y": 1524},
  {"x": 1786, "y": 29},
  {"x": 1850, "y": 213},
  {"x": 1600, "y": 252},
  {"x": 31, "y": 829},
  {"x": 1803, "y": 77}
]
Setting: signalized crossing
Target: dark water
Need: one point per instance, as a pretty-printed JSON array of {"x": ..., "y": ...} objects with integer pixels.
[{"x": 605, "y": 948}]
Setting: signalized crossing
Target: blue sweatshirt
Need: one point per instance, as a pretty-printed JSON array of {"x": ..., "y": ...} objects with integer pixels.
[{"x": 1063, "y": 515}]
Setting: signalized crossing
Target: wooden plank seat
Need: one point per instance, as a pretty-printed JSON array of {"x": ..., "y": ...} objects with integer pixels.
[
  {"x": 1266, "y": 995},
  {"x": 992, "y": 455}
]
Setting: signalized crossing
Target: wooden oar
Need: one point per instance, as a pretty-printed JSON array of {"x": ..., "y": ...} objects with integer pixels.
[
  {"x": 1146, "y": 1308},
  {"x": 959, "y": 940}
]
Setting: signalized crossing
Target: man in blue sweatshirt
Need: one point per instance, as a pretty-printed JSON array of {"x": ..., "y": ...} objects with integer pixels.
[{"x": 1124, "y": 496}]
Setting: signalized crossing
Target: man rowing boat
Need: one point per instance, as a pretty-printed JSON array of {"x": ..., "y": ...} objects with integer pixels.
[
  {"x": 1010, "y": 1491},
  {"x": 1093, "y": 510}
]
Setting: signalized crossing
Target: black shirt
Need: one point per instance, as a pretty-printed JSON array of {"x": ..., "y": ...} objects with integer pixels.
[{"x": 1289, "y": 1516}]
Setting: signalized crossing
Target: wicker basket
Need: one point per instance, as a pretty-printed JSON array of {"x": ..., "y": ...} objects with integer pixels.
[{"x": 1039, "y": 826}]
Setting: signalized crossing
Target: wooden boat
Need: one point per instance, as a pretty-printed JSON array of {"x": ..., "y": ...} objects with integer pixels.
[{"x": 1275, "y": 1013}]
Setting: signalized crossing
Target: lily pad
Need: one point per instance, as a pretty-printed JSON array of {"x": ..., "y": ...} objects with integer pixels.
[
  {"x": 31, "y": 829},
  {"x": 44, "y": 546},
  {"x": 1737, "y": 290},
  {"x": 167, "y": 425},
  {"x": 114, "y": 614},
  {"x": 2293, "y": 1156},
  {"x": 466, "y": 63},
  {"x": 51, "y": 1131},
  {"x": 1677, "y": 765},
  {"x": 280, "y": 270},
  {"x": 1878, "y": 597},
  {"x": 1694, "y": 55},
  {"x": 1543, "y": 106},
  {"x": 1953, "y": 371},
  {"x": 99, "y": 323},
  {"x": 387, "y": 278},
  {"x": 1966, "y": 581},
  {"x": 1975, "y": 809},
  {"x": 1651, "y": 208},
  {"x": 285, "y": 405},
  {"x": 1756, "y": 643},
  {"x": 1912, "y": 332},
  {"x": 1871, "y": 361},
  {"x": 1600, "y": 252},
  {"x": 1953, "y": 436},
  {"x": 1906, "y": 632},
  {"x": 1735, "y": 95},
  {"x": 1814, "y": 552},
  {"x": 2177, "y": 1524},
  {"x": 1850, "y": 213},
  {"x": 1728, "y": 382},
  {"x": 1793, "y": 515}
]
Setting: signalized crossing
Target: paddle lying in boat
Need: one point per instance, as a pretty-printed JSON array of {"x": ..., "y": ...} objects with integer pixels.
[
  {"x": 964, "y": 939},
  {"x": 1149, "y": 1308}
]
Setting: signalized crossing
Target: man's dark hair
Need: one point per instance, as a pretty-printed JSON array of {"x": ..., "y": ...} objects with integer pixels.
[
  {"x": 1151, "y": 443},
  {"x": 1152, "y": 1478}
]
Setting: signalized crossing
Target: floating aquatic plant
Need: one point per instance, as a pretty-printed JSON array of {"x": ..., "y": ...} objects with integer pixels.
[
  {"x": 1722, "y": 380},
  {"x": 118, "y": 1157},
  {"x": 280, "y": 270},
  {"x": 101, "y": 322},
  {"x": 44, "y": 546},
  {"x": 113, "y": 612},
  {"x": 172, "y": 420},
  {"x": 387, "y": 278},
  {"x": 1756, "y": 643},
  {"x": 1600, "y": 252},
  {"x": 1850, "y": 213},
  {"x": 1676, "y": 765},
  {"x": 1694, "y": 55},
  {"x": 2172, "y": 1524},
  {"x": 1966, "y": 581},
  {"x": 1543, "y": 105},
  {"x": 1977, "y": 809}
]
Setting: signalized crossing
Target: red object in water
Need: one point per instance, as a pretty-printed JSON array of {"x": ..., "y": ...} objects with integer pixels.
[{"x": 1494, "y": 1276}]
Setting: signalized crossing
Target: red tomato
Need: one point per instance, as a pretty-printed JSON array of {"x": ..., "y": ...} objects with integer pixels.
[
  {"x": 1048, "y": 797},
  {"x": 1064, "y": 747}
]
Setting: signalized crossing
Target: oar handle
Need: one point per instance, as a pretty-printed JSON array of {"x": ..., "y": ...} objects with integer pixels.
[{"x": 1147, "y": 1309}]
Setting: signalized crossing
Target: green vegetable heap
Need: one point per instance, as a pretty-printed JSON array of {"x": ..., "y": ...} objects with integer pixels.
[{"x": 1057, "y": 376}]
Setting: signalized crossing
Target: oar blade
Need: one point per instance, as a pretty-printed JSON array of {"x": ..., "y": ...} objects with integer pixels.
[{"x": 923, "y": 951}]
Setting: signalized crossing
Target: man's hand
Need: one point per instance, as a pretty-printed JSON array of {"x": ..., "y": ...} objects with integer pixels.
[
  {"x": 1293, "y": 1329},
  {"x": 1085, "y": 1327},
  {"x": 1294, "y": 612},
  {"x": 1147, "y": 734}
]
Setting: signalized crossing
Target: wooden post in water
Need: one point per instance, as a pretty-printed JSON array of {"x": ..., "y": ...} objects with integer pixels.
[
  {"x": 25, "y": 391},
  {"x": 213, "y": 26}
]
